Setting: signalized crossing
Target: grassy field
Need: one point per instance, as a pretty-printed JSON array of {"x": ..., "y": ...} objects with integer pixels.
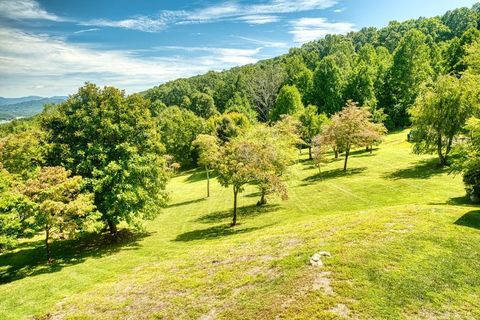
[{"x": 404, "y": 241}]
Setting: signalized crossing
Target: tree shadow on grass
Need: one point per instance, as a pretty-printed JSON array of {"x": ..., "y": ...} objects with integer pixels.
[
  {"x": 335, "y": 173},
  {"x": 184, "y": 203},
  {"x": 470, "y": 219},
  {"x": 457, "y": 201},
  {"x": 29, "y": 258},
  {"x": 213, "y": 233},
  {"x": 421, "y": 170},
  {"x": 310, "y": 164},
  {"x": 199, "y": 175},
  {"x": 243, "y": 212},
  {"x": 362, "y": 153}
]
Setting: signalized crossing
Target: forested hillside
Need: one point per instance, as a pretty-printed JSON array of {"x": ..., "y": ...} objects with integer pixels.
[{"x": 379, "y": 68}]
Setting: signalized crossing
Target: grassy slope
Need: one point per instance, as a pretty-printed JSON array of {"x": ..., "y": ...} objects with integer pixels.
[{"x": 403, "y": 246}]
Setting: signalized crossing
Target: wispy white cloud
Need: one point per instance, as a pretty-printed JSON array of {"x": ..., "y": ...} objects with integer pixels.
[
  {"x": 250, "y": 13},
  {"x": 86, "y": 30},
  {"x": 25, "y": 10},
  {"x": 308, "y": 29},
  {"x": 140, "y": 23},
  {"x": 339, "y": 10},
  {"x": 236, "y": 56},
  {"x": 73, "y": 64},
  {"x": 259, "y": 19},
  {"x": 265, "y": 43}
]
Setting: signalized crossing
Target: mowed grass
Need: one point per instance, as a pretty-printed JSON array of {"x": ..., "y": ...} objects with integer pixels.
[{"x": 404, "y": 241}]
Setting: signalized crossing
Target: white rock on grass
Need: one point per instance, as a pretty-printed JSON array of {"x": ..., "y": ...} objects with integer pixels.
[{"x": 316, "y": 259}]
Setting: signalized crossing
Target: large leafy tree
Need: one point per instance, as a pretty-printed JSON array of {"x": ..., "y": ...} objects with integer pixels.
[
  {"x": 179, "y": 128},
  {"x": 112, "y": 141},
  {"x": 439, "y": 114},
  {"x": 288, "y": 102},
  {"x": 411, "y": 67}
]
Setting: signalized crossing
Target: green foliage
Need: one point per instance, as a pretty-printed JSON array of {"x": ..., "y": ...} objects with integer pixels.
[
  {"x": 208, "y": 153},
  {"x": 112, "y": 141},
  {"x": 23, "y": 153},
  {"x": 202, "y": 105},
  {"x": 311, "y": 125},
  {"x": 439, "y": 115},
  {"x": 16, "y": 218},
  {"x": 207, "y": 147},
  {"x": 351, "y": 127},
  {"x": 361, "y": 87},
  {"x": 460, "y": 20},
  {"x": 457, "y": 50},
  {"x": 288, "y": 102},
  {"x": 411, "y": 67},
  {"x": 58, "y": 204},
  {"x": 240, "y": 104},
  {"x": 472, "y": 58},
  {"x": 179, "y": 127},
  {"x": 468, "y": 159},
  {"x": 228, "y": 126},
  {"x": 260, "y": 157},
  {"x": 329, "y": 85}
]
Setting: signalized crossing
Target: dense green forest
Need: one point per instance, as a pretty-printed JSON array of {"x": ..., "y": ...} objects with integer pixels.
[{"x": 337, "y": 93}]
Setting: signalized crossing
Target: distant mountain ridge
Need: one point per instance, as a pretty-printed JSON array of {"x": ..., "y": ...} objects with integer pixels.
[{"x": 23, "y": 107}]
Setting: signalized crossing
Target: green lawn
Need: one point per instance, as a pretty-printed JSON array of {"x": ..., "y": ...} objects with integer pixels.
[{"x": 404, "y": 244}]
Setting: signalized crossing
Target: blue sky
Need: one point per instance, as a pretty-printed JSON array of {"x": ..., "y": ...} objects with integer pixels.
[{"x": 51, "y": 47}]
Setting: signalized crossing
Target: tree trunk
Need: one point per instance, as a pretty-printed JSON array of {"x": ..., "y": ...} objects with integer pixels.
[
  {"x": 208, "y": 181},
  {"x": 371, "y": 149},
  {"x": 441, "y": 157},
  {"x": 310, "y": 153},
  {"x": 335, "y": 150},
  {"x": 448, "y": 149},
  {"x": 235, "y": 192},
  {"x": 47, "y": 244},
  {"x": 347, "y": 153},
  {"x": 263, "y": 199},
  {"x": 112, "y": 226}
]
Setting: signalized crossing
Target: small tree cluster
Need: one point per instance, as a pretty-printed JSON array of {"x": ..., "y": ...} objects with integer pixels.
[
  {"x": 259, "y": 157},
  {"x": 349, "y": 128}
]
